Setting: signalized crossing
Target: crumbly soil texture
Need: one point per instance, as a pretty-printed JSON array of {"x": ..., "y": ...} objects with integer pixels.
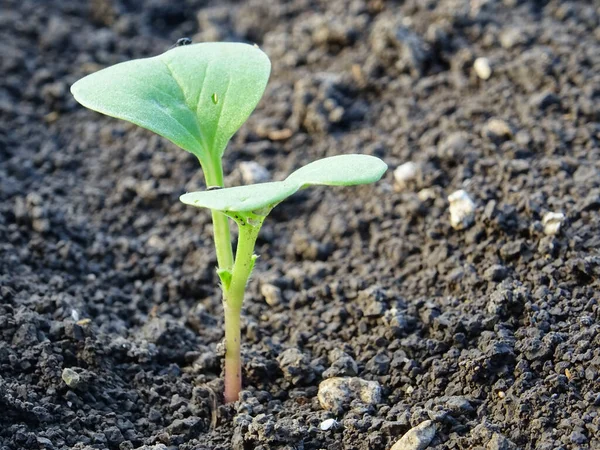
[{"x": 111, "y": 322}]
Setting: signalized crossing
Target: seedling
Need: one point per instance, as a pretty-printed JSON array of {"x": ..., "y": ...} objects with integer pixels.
[{"x": 198, "y": 96}]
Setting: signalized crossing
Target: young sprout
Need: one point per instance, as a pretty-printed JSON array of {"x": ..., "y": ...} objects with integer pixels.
[
  {"x": 198, "y": 96},
  {"x": 248, "y": 206}
]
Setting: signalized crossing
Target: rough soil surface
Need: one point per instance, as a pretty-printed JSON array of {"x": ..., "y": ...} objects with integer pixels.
[{"x": 110, "y": 315}]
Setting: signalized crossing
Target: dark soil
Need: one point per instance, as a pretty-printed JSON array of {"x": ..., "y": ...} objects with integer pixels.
[{"x": 492, "y": 331}]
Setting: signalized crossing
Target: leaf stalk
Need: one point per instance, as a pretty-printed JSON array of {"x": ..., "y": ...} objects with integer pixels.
[
  {"x": 213, "y": 174},
  {"x": 233, "y": 297}
]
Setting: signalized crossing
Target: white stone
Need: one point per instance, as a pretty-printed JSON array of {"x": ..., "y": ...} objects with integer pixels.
[
  {"x": 328, "y": 424},
  {"x": 71, "y": 378},
  {"x": 482, "y": 68},
  {"x": 405, "y": 173},
  {"x": 462, "y": 210},
  {"x": 271, "y": 293},
  {"x": 552, "y": 223},
  {"x": 417, "y": 438},
  {"x": 156, "y": 242},
  {"x": 497, "y": 129},
  {"x": 427, "y": 194},
  {"x": 252, "y": 172},
  {"x": 335, "y": 393}
]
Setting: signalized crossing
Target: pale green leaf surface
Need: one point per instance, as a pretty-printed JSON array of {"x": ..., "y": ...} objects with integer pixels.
[
  {"x": 172, "y": 93},
  {"x": 241, "y": 198},
  {"x": 342, "y": 170}
]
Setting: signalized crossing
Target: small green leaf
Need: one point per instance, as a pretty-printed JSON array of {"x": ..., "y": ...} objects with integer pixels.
[
  {"x": 241, "y": 198},
  {"x": 253, "y": 262},
  {"x": 197, "y": 96},
  {"x": 342, "y": 170},
  {"x": 225, "y": 276}
]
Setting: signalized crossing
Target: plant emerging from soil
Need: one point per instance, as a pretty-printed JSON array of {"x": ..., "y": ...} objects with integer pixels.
[{"x": 198, "y": 96}]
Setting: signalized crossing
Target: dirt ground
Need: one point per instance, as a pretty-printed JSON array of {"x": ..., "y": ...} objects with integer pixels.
[{"x": 110, "y": 312}]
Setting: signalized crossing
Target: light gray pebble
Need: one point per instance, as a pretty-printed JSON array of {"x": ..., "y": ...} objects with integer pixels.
[
  {"x": 335, "y": 393},
  {"x": 496, "y": 129},
  {"x": 404, "y": 174},
  {"x": 482, "y": 68},
  {"x": 295, "y": 366},
  {"x": 252, "y": 172},
  {"x": 552, "y": 223},
  {"x": 271, "y": 293},
  {"x": 417, "y": 438},
  {"x": 462, "y": 210},
  {"x": 71, "y": 378},
  {"x": 342, "y": 364}
]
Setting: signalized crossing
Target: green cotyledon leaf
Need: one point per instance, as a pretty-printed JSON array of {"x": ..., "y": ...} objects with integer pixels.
[
  {"x": 197, "y": 96},
  {"x": 342, "y": 170}
]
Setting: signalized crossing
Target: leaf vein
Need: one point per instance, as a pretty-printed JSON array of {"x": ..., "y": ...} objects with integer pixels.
[
  {"x": 187, "y": 101},
  {"x": 221, "y": 110}
]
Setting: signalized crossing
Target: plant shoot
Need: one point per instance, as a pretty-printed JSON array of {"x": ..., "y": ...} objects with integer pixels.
[{"x": 198, "y": 96}]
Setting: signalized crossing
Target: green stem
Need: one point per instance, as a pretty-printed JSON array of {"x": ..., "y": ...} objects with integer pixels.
[
  {"x": 213, "y": 174},
  {"x": 233, "y": 298},
  {"x": 222, "y": 239},
  {"x": 244, "y": 262},
  {"x": 241, "y": 268},
  {"x": 233, "y": 360}
]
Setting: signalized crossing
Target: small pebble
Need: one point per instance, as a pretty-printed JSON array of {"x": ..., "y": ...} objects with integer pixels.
[
  {"x": 496, "y": 273},
  {"x": 427, "y": 194},
  {"x": 404, "y": 174},
  {"x": 342, "y": 365},
  {"x": 462, "y": 210},
  {"x": 335, "y": 393},
  {"x": 497, "y": 129},
  {"x": 295, "y": 366},
  {"x": 499, "y": 442},
  {"x": 71, "y": 378},
  {"x": 459, "y": 404},
  {"x": 252, "y": 172},
  {"x": 328, "y": 424},
  {"x": 511, "y": 250},
  {"x": 280, "y": 135},
  {"x": 417, "y": 438},
  {"x": 578, "y": 438},
  {"x": 552, "y": 223},
  {"x": 271, "y": 293},
  {"x": 482, "y": 68}
]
